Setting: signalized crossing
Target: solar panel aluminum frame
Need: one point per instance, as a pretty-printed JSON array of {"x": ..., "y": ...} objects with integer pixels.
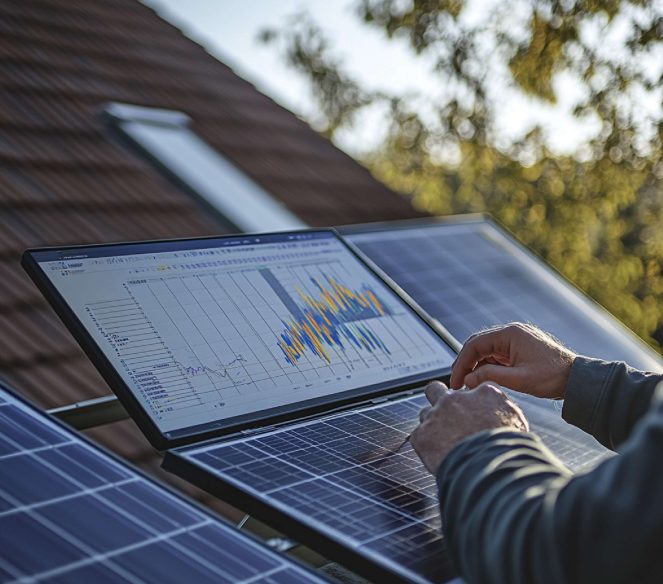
[
  {"x": 478, "y": 218},
  {"x": 149, "y": 428},
  {"x": 147, "y": 478}
]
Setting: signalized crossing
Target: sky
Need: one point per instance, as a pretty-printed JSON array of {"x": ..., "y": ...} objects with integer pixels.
[{"x": 229, "y": 30}]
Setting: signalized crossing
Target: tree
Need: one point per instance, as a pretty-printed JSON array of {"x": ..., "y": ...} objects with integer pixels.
[{"x": 596, "y": 215}]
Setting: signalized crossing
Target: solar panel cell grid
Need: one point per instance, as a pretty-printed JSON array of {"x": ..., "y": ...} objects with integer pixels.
[
  {"x": 346, "y": 477},
  {"x": 340, "y": 473},
  {"x": 571, "y": 445},
  {"x": 457, "y": 289},
  {"x": 470, "y": 275},
  {"x": 69, "y": 512}
]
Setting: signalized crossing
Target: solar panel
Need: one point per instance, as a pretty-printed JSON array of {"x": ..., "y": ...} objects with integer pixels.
[
  {"x": 468, "y": 274},
  {"x": 71, "y": 513},
  {"x": 576, "y": 449},
  {"x": 342, "y": 483}
]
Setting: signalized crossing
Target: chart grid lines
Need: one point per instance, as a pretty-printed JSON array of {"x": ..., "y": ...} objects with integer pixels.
[
  {"x": 241, "y": 334},
  {"x": 206, "y": 339}
]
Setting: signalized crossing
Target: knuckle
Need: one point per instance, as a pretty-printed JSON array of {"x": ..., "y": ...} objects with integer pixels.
[
  {"x": 483, "y": 388},
  {"x": 490, "y": 329},
  {"x": 471, "y": 338},
  {"x": 452, "y": 401},
  {"x": 488, "y": 388},
  {"x": 474, "y": 338}
]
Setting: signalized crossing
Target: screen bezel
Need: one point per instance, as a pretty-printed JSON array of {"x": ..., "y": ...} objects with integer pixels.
[{"x": 30, "y": 262}]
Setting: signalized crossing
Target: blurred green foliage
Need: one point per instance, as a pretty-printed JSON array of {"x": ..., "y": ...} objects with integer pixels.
[{"x": 597, "y": 215}]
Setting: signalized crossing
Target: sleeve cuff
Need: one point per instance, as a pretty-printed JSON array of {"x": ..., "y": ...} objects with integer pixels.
[{"x": 585, "y": 389}]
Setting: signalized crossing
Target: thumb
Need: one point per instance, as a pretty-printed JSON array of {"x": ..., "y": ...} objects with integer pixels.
[{"x": 511, "y": 377}]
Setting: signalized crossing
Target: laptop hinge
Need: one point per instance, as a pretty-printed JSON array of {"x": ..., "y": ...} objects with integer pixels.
[
  {"x": 391, "y": 397},
  {"x": 254, "y": 431},
  {"x": 379, "y": 400},
  {"x": 338, "y": 410}
]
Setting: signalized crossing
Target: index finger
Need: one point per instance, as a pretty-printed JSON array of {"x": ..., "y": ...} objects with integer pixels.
[{"x": 478, "y": 347}]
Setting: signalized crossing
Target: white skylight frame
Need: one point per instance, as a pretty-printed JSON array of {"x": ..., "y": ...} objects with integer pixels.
[{"x": 166, "y": 137}]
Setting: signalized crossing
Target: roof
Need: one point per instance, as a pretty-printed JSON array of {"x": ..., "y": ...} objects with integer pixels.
[{"x": 64, "y": 179}]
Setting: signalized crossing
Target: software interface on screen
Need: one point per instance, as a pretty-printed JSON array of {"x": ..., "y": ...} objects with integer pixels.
[{"x": 244, "y": 325}]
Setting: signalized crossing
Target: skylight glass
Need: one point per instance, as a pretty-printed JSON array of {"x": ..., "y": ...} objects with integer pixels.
[{"x": 166, "y": 137}]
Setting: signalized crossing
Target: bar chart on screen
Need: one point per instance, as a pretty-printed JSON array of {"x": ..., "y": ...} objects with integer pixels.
[{"x": 220, "y": 339}]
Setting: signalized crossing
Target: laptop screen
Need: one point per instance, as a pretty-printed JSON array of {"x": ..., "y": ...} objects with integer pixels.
[{"x": 207, "y": 333}]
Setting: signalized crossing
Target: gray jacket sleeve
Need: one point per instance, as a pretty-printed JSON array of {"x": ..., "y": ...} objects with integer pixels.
[
  {"x": 607, "y": 399},
  {"x": 513, "y": 514}
]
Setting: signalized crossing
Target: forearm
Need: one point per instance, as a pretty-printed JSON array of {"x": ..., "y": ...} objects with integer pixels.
[
  {"x": 512, "y": 514},
  {"x": 607, "y": 399},
  {"x": 493, "y": 492}
]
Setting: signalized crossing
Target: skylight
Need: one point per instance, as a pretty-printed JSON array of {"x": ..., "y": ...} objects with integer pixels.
[{"x": 166, "y": 137}]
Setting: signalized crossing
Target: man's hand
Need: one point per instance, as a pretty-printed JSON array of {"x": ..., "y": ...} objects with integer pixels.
[
  {"x": 453, "y": 416},
  {"x": 517, "y": 356}
]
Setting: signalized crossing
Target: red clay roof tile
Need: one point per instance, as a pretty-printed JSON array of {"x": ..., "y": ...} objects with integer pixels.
[{"x": 65, "y": 180}]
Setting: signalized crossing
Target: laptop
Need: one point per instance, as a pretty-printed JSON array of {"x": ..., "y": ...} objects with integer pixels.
[{"x": 202, "y": 338}]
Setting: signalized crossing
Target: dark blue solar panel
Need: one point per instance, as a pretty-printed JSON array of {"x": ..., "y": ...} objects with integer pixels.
[
  {"x": 71, "y": 513},
  {"x": 340, "y": 477},
  {"x": 336, "y": 476},
  {"x": 470, "y": 275}
]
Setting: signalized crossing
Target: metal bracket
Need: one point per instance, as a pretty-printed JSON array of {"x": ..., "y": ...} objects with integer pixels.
[
  {"x": 281, "y": 544},
  {"x": 91, "y": 413}
]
